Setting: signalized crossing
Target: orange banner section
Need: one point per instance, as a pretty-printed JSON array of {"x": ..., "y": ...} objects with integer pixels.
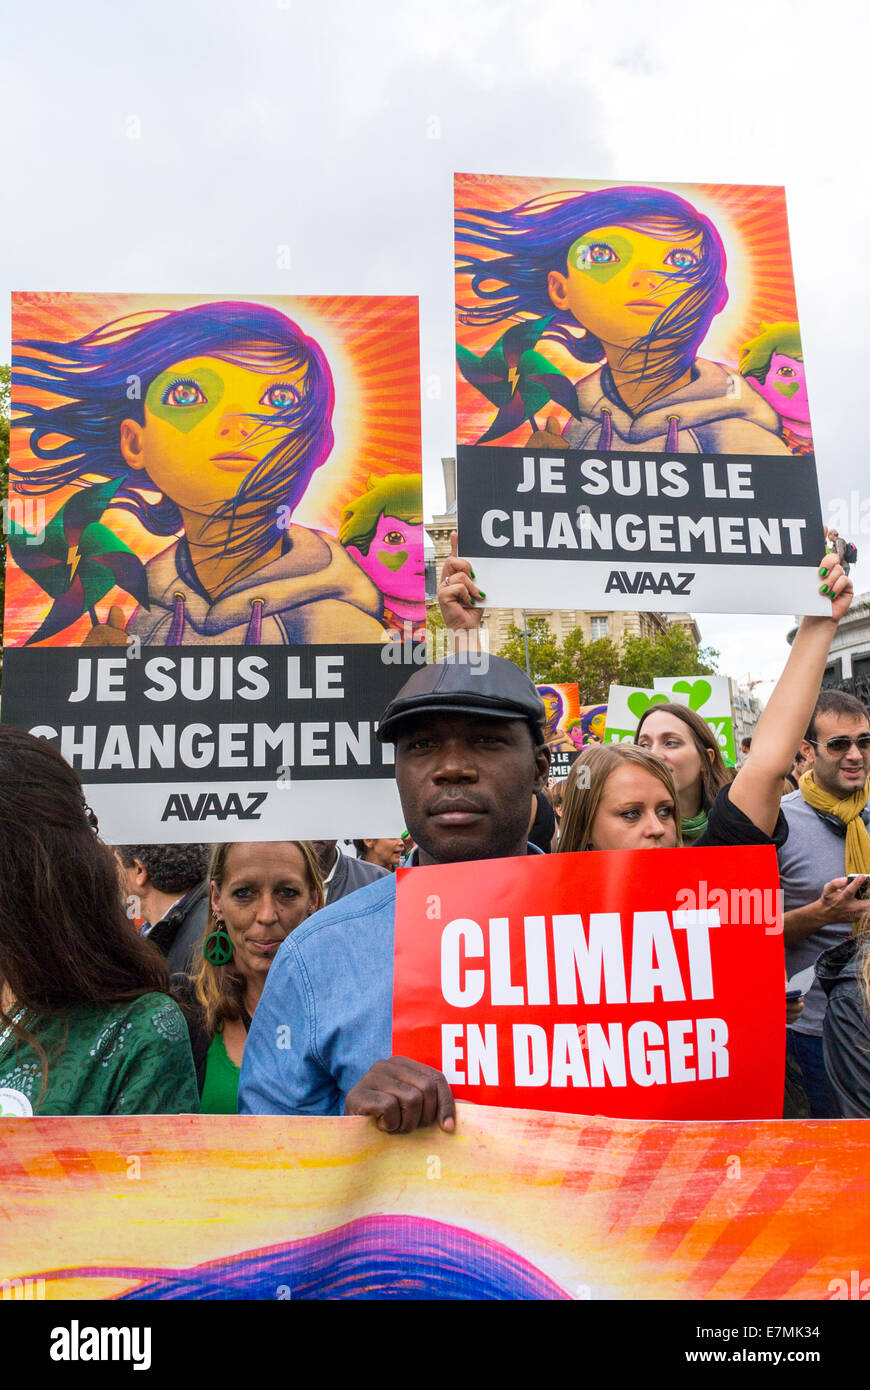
[{"x": 513, "y": 1205}]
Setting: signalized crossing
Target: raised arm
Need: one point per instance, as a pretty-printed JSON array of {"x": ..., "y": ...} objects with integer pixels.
[{"x": 755, "y": 790}]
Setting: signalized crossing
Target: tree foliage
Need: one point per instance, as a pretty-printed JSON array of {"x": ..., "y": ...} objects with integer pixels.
[
  {"x": 544, "y": 653},
  {"x": 595, "y": 666}
]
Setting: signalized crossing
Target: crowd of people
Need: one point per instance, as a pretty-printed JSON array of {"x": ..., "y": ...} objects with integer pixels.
[{"x": 258, "y": 977}]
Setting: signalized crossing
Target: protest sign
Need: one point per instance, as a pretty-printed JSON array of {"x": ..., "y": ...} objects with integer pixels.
[
  {"x": 710, "y": 696},
  {"x": 569, "y": 726},
  {"x": 513, "y": 1205},
  {"x": 625, "y": 705},
  {"x": 607, "y": 983},
  {"x": 632, "y": 416},
  {"x": 215, "y": 541},
  {"x": 593, "y": 724}
]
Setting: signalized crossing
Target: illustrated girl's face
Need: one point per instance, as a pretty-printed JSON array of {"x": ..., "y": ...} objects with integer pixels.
[
  {"x": 200, "y": 439},
  {"x": 395, "y": 559},
  {"x": 619, "y": 281},
  {"x": 596, "y": 727},
  {"x": 785, "y": 388},
  {"x": 552, "y": 710}
]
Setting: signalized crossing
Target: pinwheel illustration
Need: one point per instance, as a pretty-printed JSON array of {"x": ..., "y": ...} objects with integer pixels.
[
  {"x": 516, "y": 378},
  {"x": 78, "y": 560}
]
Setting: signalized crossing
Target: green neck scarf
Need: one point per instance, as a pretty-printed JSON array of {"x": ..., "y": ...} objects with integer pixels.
[{"x": 693, "y": 826}]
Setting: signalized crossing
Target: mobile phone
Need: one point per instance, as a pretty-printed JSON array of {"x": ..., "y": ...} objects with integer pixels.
[
  {"x": 864, "y": 890},
  {"x": 791, "y": 994}
]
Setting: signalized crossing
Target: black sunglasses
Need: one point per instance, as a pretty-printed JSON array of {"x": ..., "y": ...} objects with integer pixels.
[{"x": 839, "y": 746}]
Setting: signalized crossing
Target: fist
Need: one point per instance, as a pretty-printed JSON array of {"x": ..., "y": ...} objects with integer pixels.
[{"x": 458, "y": 594}]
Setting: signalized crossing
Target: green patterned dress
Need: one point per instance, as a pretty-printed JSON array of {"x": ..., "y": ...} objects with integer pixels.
[{"x": 132, "y": 1058}]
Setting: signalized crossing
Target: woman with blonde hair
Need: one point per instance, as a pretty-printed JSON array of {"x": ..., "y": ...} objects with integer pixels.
[
  {"x": 618, "y": 796},
  {"x": 688, "y": 745},
  {"x": 259, "y": 893}
]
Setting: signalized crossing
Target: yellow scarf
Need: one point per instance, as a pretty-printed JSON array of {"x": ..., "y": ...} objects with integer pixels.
[{"x": 849, "y": 812}]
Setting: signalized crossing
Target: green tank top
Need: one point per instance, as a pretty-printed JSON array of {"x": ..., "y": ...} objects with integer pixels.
[{"x": 220, "y": 1091}]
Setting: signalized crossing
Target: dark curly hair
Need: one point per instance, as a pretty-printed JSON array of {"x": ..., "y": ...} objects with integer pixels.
[{"x": 171, "y": 868}]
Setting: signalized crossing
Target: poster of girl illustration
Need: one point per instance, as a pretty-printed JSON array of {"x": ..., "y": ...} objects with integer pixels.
[
  {"x": 600, "y": 316},
  {"x": 196, "y": 459}
]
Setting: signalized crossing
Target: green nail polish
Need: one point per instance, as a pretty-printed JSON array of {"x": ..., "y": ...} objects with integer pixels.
[
  {"x": 473, "y": 602},
  {"x": 823, "y": 572},
  {"x": 472, "y": 574},
  {"x": 482, "y": 594},
  {"x": 823, "y": 589}
]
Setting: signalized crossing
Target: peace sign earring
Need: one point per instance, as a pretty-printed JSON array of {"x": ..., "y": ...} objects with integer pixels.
[{"x": 218, "y": 947}]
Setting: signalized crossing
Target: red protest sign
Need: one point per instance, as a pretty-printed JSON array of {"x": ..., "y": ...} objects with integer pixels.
[{"x": 629, "y": 984}]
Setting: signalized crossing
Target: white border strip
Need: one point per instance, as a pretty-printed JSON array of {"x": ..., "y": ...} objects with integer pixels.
[
  {"x": 131, "y": 814},
  {"x": 535, "y": 583}
]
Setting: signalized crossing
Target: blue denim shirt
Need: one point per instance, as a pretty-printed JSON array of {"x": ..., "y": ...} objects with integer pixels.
[{"x": 326, "y": 1014}]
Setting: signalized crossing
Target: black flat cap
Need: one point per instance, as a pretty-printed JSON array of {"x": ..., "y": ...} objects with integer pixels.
[{"x": 496, "y": 688}]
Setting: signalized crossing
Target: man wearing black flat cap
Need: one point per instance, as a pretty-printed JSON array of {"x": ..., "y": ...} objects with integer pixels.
[{"x": 469, "y": 754}]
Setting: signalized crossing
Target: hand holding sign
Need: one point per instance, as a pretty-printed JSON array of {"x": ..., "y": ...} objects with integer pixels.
[
  {"x": 458, "y": 593},
  {"x": 402, "y": 1095},
  {"x": 835, "y": 585}
]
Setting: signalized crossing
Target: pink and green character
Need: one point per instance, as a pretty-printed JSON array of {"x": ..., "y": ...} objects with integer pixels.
[
  {"x": 383, "y": 532},
  {"x": 774, "y": 363}
]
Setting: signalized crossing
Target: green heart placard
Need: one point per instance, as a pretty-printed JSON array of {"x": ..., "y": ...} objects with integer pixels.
[
  {"x": 698, "y": 692},
  {"x": 638, "y": 702}
]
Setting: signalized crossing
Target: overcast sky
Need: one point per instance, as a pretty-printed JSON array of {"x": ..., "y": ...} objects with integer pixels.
[{"x": 176, "y": 145}]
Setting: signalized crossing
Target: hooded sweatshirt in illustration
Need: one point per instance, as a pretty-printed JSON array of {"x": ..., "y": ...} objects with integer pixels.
[
  {"x": 717, "y": 412},
  {"x": 314, "y": 592}
]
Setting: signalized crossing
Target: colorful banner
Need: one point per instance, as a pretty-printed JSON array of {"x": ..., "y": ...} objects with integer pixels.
[
  {"x": 514, "y": 1205},
  {"x": 603, "y": 984},
  {"x": 569, "y": 726},
  {"x": 709, "y": 695},
  {"x": 632, "y": 412},
  {"x": 215, "y": 526}
]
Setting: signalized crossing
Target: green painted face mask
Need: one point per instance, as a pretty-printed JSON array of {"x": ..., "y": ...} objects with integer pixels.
[
  {"x": 600, "y": 259},
  {"x": 183, "y": 401}
]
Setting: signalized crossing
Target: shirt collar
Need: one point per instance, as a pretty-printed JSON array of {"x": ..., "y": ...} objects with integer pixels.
[
  {"x": 331, "y": 875},
  {"x": 414, "y": 861}
]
